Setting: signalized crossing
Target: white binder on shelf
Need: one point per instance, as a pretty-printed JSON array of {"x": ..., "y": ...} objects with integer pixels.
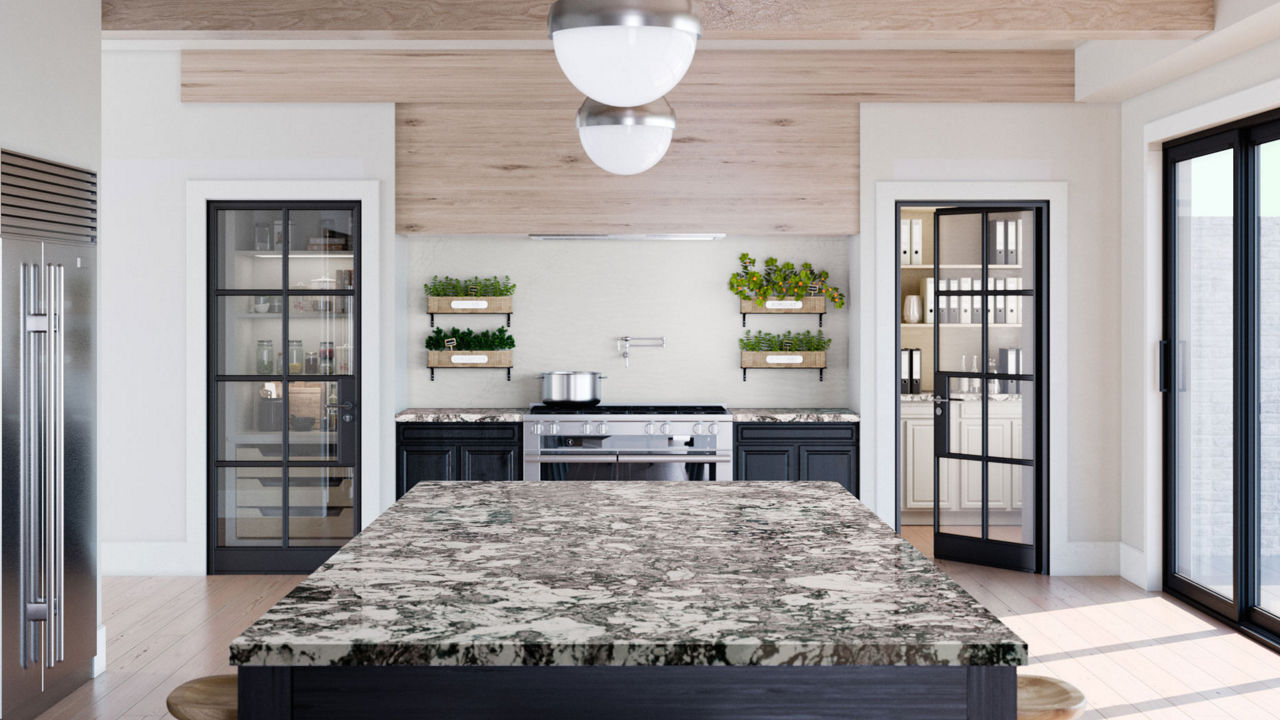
[
  {"x": 904, "y": 239},
  {"x": 927, "y": 296},
  {"x": 916, "y": 355},
  {"x": 991, "y": 303},
  {"x": 966, "y": 302},
  {"x": 1000, "y": 303},
  {"x": 917, "y": 241},
  {"x": 905, "y": 373},
  {"x": 1012, "y": 242},
  {"x": 998, "y": 257},
  {"x": 953, "y": 302},
  {"x": 1013, "y": 304}
]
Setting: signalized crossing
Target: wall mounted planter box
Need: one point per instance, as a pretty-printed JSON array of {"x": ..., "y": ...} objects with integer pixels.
[
  {"x": 783, "y": 360},
  {"x": 469, "y": 359},
  {"x": 815, "y": 305},
  {"x": 468, "y": 305}
]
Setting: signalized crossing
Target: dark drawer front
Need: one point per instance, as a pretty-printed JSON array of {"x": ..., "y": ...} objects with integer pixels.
[
  {"x": 488, "y": 433},
  {"x": 807, "y": 433}
]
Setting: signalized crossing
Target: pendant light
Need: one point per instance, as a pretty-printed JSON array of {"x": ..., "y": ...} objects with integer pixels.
[
  {"x": 626, "y": 140},
  {"x": 624, "y": 53}
]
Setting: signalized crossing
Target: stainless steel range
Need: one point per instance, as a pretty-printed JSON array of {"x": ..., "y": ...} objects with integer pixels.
[{"x": 628, "y": 442}]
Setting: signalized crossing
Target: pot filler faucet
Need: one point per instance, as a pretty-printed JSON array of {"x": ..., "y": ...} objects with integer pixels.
[{"x": 626, "y": 342}]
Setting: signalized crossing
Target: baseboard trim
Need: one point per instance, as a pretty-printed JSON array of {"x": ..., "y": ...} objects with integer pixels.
[
  {"x": 1085, "y": 558},
  {"x": 100, "y": 659},
  {"x": 151, "y": 558}
]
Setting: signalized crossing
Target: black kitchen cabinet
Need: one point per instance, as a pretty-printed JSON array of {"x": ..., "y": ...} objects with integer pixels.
[
  {"x": 797, "y": 451},
  {"x": 456, "y": 452}
]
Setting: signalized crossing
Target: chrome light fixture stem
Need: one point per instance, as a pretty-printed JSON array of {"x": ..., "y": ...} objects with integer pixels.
[
  {"x": 655, "y": 114},
  {"x": 676, "y": 14}
]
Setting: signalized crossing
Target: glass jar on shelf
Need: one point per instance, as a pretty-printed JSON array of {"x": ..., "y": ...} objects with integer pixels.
[
  {"x": 311, "y": 366},
  {"x": 295, "y": 357},
  {"x": 266, "y": 357}
]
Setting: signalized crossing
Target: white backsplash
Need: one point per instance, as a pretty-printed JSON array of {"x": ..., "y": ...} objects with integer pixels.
[{"x": 574, "y": 297}]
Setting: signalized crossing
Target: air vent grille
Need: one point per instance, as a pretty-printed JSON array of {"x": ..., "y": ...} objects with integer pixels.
[{"x": 47, "y": 200}]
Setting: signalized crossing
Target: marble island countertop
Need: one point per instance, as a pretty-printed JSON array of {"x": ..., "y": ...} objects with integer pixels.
[
  {"x": 437, "y": 415},
  {"x": 511, "y": 574}
]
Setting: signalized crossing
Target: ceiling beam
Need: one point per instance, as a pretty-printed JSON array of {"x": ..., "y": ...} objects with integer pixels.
[
  {"x": 722, "y": 19},
  {"x": 533, "y": 76}
]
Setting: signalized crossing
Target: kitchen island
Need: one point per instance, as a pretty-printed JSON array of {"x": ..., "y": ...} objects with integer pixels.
[{"x": 628, "y": 600}]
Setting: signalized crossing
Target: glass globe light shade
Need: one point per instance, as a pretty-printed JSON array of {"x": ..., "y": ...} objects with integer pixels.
[
  {"x": 625, "y": 141},
  {"x": 624, "y": 53}
]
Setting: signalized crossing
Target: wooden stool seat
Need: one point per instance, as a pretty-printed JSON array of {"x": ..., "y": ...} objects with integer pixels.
[
  {"x": 208, "y": 698},
  {"x": 1046, "y": 698}
]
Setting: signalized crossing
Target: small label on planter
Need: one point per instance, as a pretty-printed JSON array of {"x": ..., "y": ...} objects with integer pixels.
[
  {"x": 469, "y": 304},
  {"x": 783, "y": 304},
  {"x": 784, "y": 359},
  {"x": 470, "y": 359}
]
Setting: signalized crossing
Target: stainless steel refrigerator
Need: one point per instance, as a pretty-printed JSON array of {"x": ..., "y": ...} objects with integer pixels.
[{"x": 48, "y": 560}]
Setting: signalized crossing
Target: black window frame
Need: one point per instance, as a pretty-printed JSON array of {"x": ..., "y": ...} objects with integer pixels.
[{"x": 1243, "y": 138}]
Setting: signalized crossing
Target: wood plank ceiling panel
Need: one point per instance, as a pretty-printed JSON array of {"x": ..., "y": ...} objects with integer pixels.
[
  {"x": 767, "y": 142},
  {"x": 754, "y": 19}
]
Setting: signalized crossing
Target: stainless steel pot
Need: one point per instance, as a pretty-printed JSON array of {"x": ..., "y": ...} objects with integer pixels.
[{"x": 571, "y": 387}]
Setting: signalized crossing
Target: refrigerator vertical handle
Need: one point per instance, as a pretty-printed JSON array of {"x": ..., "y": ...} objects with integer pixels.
[
  {"x": 346, "y": 410},
  {"x": 60, "y": 474},
  {"x": 51, "y": 499},
  {"x": 25, "y": 469}
]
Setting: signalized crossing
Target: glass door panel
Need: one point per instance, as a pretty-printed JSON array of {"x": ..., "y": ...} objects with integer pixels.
[
  {"x": 321, "y": 505},
  {"x": 250, "y": 421},
  {"x": 250, "y": 507},
  {"x": 321, "y": 335},
  {"x": 1205, "y": 372},
  {"x": 1268, "y": 501},
  {"x": 322, "y": 250},
  {"x": 252, "y": 336},
  {"x": 249, "y": 248}
]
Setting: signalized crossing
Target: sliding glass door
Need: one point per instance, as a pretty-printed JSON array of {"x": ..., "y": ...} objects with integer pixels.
[{"x": 1221, "y": 373}]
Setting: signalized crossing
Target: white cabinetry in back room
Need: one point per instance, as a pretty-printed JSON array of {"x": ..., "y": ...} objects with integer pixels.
[{"x": 958, "y": 490}]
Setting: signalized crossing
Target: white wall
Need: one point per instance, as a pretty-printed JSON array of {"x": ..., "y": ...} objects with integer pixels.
[
  {"x": 1178, "y": 108},
  {"x": 50, "y": 86},
  {"x": 152, "y": 146},
  {"x": 1076, "y": 144},
  {"x": 574, "y": 297}
]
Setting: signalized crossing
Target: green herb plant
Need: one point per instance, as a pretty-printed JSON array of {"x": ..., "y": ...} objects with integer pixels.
[
  {"x": 781, "y": 281},
  {"x": 470, "y": 340},
  {"x": 788, "y": 341},
  {"x": 484, "y": 287}
]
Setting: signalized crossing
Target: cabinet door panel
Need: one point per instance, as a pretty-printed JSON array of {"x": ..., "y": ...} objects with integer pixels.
[
  {"x": 426, "y": 463},
  {"x": 835, "y": 464},
  {"x": 767, "y": 462},
  {"x": 487, "y": 463},
  {"x": 917, "y": 440},
  {"x": 999, "y": 438}
]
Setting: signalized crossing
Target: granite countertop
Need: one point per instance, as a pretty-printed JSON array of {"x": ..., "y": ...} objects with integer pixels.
[
  {"x": 517, "y": 415},
  {"x": 639, "y": 573},
  {"x": 815, "y": 415},
  {"x": 459, "y": 415}
]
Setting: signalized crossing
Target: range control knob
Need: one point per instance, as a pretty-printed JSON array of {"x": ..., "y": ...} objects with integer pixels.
[
  {"x": 555, "y": 428},
  {"x": 586, "y": 428},
  {"x": 537, "y": 428},
  {"x": 697, "y": 428},
  {"x": 602, "y": 428},
  {"x": 650, "y": 428},
  {"x": 714, "y": 428},
  {"x": 665, "y": 428}
]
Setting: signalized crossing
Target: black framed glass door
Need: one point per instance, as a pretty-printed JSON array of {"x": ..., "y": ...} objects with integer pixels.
[
  {"x": 1220, "y": 373},
  {"x": 284, "y": 383},
  {"x": 988, "y": 396}
]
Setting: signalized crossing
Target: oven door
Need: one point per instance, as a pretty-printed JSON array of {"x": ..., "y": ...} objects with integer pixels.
[{"x": 612, "y": 466}]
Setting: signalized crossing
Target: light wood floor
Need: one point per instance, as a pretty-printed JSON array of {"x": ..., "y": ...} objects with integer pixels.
[{"x": 1134, "y": 654}]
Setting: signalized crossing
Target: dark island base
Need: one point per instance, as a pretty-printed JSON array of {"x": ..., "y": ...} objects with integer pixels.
[{"x": 621, "y": 693}]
